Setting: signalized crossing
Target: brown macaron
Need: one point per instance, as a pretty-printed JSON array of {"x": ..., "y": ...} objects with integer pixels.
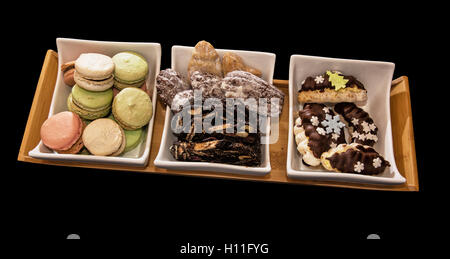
[{"x": 68, "y": 69}]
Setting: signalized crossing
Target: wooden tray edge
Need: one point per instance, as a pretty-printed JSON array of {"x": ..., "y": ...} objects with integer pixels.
[
  {"x": 413, "y": 176},
  {"x": 22, "y": 156}
]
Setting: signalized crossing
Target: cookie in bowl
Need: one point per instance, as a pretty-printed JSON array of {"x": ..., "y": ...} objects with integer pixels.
[{"x": 331, "y": 87}]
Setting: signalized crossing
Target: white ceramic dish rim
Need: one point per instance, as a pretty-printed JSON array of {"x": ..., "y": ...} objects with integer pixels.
[
  {"x": 138, "y": 161},
  {"x": 334, "y": 176},
  {"x": 160, "y": 161}
]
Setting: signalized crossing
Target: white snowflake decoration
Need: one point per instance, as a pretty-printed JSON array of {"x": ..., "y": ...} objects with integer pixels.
[
  {"x": 334, "y": 136},
  {"x": 355, "y": 121},
  {"x": 365, "y": 126},
  {"x": 359, "y": 167},
  {"x": 319, "y": 79},
  {"x": 371, "y": 136},
  {"x": 321, "y": 131},
  {"x": 377, "y": 162},
  {"x": 315, "y": 121},
  {"x": 372, "y": 127},
  {"x": 333, "y": 145},
  {"x": 362, "y": 137},
  {"x": 355, "y": 135},
  {"x": 326, "y": 109},
  {"x": 333, "y": 124}
]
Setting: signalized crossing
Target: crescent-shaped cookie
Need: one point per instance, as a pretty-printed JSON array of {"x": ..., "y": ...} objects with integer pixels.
[
  {"x": 316, "y": 131},
  {"x": 354, "y": 158}
]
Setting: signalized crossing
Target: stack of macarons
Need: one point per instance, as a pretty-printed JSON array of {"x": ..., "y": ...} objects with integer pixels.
[
  {"x": 92, "y": 95},
  {"x": 92, "y": 99}
]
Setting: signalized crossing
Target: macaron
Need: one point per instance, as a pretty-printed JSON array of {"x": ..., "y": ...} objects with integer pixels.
[
  {"x": 90, "y": 105},
  {"x": 94, "y": 72},
  {"x": 68, "y": 70},
  {"x": 133, "y": 137},
  {"x": 62, "y": 133},
  {"x": 104, "y": 137},
  {"x": 132, "y": 108},
  {"x": 130, "y": 69}
]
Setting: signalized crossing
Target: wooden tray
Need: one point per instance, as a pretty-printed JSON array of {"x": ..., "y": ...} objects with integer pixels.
[{"x": 402, "y": 129}]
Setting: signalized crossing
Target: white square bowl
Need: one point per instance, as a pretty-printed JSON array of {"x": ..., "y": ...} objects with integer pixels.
[
  {"x": 70, "y": 49},
  {"x": 377, "y": 78},
  {"x": 181, "y": 55}
]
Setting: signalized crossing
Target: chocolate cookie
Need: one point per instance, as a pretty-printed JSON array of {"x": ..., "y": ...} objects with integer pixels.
[
  {"x": 354, "y": 158},
  {"x": 316, "y": 131},
  {"x": 215, "y": 143},
  {"x": 332, "y": 87},
  {"x": 182, "y": 99},
  {"x": 241, "y": 84},
  {"x": 168, "y": 84},
  {"x": 362, "y": 128},
  {"x": 208, "y": 83}
]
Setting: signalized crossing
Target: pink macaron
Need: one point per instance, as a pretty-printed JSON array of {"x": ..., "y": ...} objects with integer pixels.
[{"x": 62, "y": 133}]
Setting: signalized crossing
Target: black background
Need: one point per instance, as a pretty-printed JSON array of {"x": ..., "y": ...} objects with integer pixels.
[{"x": 170, "y": 211}]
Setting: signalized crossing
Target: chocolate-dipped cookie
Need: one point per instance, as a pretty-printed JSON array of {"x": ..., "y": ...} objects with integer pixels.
[
  {"x": 331, "y": 87},
  {"x": 168, "y": 83},
  {"x": 361, "y": 126},
  {"x": 316, "y": 131},
  {"x": 354, "y": 158}
]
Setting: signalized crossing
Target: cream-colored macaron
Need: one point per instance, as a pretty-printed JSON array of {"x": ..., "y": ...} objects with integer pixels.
[
  {"x": 104, "y": 137},
  {"x": 94, "y": 72},
  {"x": 94, "y": 66}
]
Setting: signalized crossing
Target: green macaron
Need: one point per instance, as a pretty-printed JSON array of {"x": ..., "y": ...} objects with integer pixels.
[
  {"x": 132, "y": 108},
  {"x": 130, "y": 69},
  {"x": 86, "y": 115},
  {"x": 90, "y": 105}
]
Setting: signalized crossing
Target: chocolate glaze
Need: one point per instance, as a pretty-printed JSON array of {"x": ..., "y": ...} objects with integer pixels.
[
  {"x": 350, "y": 112},
  {"x": 238, "y": 148},
  {"x": 318, "y": 143},
  {"x": 311, "y": 85},
  {"x": 345, "y": 161}
]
